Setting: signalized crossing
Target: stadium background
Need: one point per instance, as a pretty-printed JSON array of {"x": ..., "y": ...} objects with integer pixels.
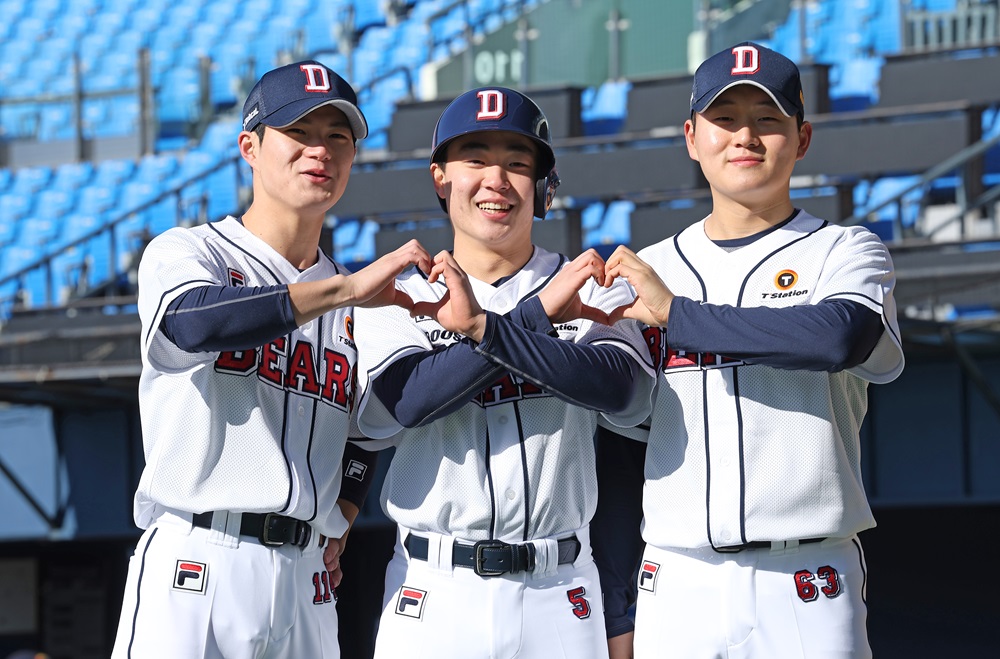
[{"x": 118, "y": 120}]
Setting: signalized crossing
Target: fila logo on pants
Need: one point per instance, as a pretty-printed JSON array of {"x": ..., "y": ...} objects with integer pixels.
[
  {"x": 190, "y": 576},
  {"x": 647, "y": 575},
  {"x": 410, "y": 602}
]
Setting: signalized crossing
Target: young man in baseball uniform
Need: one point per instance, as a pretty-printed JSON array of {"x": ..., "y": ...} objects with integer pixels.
[
  {"x": 490, "y": 394},
  {"x": 246, "y": 395},
  {"x": 766, "y": 325}
]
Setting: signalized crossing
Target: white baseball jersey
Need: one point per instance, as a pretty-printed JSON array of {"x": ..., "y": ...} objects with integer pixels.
[
  {"x": 515, "y": 463},
  {"x": 739, "y": 452},
  {"x": 253, "y": 430}
]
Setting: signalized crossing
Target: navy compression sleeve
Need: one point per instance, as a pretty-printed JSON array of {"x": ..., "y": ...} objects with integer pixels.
[
  {"x": 598, "y": 377},
  {"x": 830, "y": 336},
  {"x": 420, "y": 388},
  {"x": 615, "y": 529},
  {"x": 212, "y": 318},
  {"x": 425, "y": 386}
]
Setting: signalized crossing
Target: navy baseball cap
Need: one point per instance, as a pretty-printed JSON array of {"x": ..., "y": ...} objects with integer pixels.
[
  {"x": 284, "y": 95},
  {"x": 494, "y": 109},
  {"x": 749, "y": 64}
]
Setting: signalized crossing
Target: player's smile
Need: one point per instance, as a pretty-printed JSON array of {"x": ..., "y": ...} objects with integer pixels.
[{"x": 494, "y": 207}]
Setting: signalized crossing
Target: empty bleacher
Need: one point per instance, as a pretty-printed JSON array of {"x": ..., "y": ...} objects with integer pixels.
[{"x": 619, "y": 146}]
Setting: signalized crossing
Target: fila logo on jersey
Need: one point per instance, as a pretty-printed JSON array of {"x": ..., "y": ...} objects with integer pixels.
[
  {"x": 410, "y": 602},
  {"x": 747, "y": 60},
  {"x": 492, "y": 105},
  {"x": 647, "y": 576},
  {"x": 329, "y": 377},
  {"x": 191, "y": 576},
  {"x": 317, "y": 79},
  {"x": 237, "y": 278},
  {"x": 356, "y": 470}
]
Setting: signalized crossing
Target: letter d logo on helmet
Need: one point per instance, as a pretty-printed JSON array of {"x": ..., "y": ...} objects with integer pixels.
[{"x": 499, "y": 108}]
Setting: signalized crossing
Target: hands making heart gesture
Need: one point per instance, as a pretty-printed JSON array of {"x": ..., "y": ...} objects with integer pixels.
[{"x": 459, "y": 311}]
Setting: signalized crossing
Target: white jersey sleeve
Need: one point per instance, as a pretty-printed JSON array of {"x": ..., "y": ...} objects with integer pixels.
[{"x": 859, "y": 268}]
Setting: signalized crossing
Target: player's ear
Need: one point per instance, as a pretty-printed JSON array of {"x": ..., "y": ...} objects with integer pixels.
[
  {"x": 248, "y": 146},
  {"x": 439, "y": 178},
  {"x": 689, "y": 138},
  {"x": 805, "y": 139}
]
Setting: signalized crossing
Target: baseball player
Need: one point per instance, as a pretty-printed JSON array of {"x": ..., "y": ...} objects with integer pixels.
[
  {"x": 766, "y": 325},
  {"x": 490, "y": 394},
  {"x": 246, "y": 396}
]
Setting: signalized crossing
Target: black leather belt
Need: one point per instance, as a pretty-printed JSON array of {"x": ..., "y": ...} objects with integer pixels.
[
  {"x": 270, "y": 529},
  {"x": 491, "y": 558},
  {"x": 761, "y": 544}
]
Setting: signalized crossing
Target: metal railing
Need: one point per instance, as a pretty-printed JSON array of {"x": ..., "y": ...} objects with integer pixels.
[
  {"x": 972, "y": 24},
  {"x": 189, "y": 210}
]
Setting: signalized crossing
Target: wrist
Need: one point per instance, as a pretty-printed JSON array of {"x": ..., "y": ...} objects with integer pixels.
[{"x": 477, "y": 329}]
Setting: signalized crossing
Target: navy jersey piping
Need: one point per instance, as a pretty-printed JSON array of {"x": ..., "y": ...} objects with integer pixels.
[
  {"x": 740, "y": 443},
  {"x": 138, "y": 591},
  {"x": 489, "y": 479},
  {"x": 760, "y": 264},
  {"x": 524, "y": 471}
]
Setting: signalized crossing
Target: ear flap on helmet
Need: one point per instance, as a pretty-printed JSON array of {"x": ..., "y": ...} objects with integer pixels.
[{"x": 545, "y": 192}]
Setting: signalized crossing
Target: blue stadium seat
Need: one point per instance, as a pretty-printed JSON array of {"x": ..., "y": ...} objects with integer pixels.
[
  {"x": 143, "y": 20},
  {"x": 19, "y": 120},
  {"x": 54, "y": 202},
  {"x": 38, "y": 233},
  {"x": 55, "y": 122},
  {"x": 71, "y": 25},
  {"x": 30, "y": 180},
  {"x": 155, "y": 168},
  {"x": 78, "y": 225},
  {"x": 16, "y": 257},
  {"x": 220, "y": 13},
  {"x": 606, "y": 113},
  {"x": 28, "y": 28},
  {"x": 367, "y": 14},
  {"x": 229, "y": 68},
  {"x": 14, "y": 206},
  {"x": 220, "y": 137},
  {"x": 97, "y": 199},
  {"x": 71, "y": 176},
  {"x": 122, "y": 117},
  {"x": 362, "y": 248},
  {"x": 614, "y": 228},
  {"x": 221, "y": 186},
  {"x": 177, "y": 100},
  {"x": 112, "y": 172},
  {"x": 195, "y": 163},
  {"x": 137, "y": 193}
]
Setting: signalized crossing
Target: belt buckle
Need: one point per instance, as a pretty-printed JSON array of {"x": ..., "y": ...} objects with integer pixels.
[
  {"x": 479, "y": 547},
  {"x": 264, "y": 537}
]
